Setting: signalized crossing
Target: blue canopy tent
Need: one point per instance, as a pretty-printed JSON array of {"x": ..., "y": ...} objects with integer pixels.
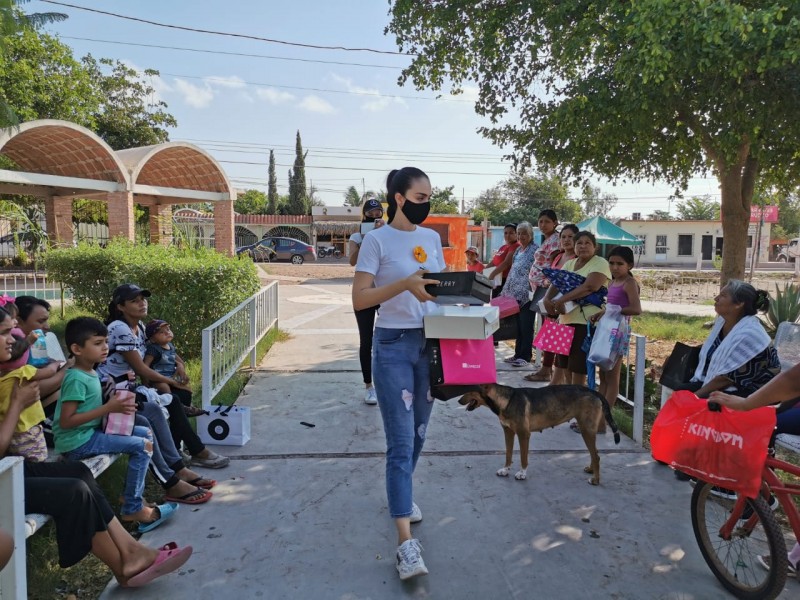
[{"x": 608, "y": 233}]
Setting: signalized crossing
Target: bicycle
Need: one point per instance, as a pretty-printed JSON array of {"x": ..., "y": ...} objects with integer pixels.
[{"x": 731, "y": 539}]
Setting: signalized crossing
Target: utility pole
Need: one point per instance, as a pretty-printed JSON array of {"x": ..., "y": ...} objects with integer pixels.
[
  {"x": 363, "y": 188},
  {"x": 462, "y": 201}
]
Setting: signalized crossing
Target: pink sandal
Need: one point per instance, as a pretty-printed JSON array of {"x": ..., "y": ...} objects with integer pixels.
[{"x": 169, "y": 558}]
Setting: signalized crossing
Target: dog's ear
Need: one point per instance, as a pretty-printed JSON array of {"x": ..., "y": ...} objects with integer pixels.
[{"x": 487, "y": 390}]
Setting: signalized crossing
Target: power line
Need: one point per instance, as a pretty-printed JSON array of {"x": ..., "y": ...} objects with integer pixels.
[
  {"x": 223, "y": 33},
  {"x": 222, "y": 52},
  {"x": 261, "y": 164},
  {"x": 308, "y": 89},
  {"x": 268, "y": 146}
]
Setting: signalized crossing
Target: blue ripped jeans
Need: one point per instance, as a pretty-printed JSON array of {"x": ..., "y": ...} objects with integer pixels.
[
  {"x": 134, "y": 446},
  {"x": 400, "y": 372}
]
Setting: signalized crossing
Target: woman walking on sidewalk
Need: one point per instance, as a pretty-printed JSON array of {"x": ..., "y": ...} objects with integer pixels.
[
  {"x": 371, "y": 212},
  {"x": 391, "y": 269}
]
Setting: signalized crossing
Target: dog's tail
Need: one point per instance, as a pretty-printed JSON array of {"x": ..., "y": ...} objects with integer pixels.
[{"x": 610, "y": 418}]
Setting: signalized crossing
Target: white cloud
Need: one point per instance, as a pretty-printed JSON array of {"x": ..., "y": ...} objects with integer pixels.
[
  {"x": 316, "y": 104},
  {"x": 375, "y": 103},
  {"x": 194, "y": 95},
  {"x": 226, "y": 81},
  {"x": 274, "y": 96}
]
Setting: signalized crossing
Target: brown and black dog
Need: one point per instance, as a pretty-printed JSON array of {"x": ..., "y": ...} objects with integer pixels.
[{"x": 524, "y": 410}]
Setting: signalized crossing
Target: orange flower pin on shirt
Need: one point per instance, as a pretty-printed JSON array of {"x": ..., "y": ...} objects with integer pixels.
[{"x": 419, "y": 254}]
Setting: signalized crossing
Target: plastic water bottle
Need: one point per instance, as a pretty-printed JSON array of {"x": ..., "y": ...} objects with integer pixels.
[{"x": 39, "y": 356}]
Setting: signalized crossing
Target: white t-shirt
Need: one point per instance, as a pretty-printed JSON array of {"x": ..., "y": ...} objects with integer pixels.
[
  {"x": 357, "y": 238},
  {"x": 388, "y": 254}
]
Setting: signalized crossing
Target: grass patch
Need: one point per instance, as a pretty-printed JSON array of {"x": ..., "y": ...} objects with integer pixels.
[
  {"x": 664, "y": 326},
  {"x": 234, "y": 386},
  {"x": 87, "y": 579}
]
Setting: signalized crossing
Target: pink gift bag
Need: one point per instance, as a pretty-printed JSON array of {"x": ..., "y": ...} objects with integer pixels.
[
  {"x": 554, "y": 337},
  {"x": 120, "y": 423},
  {"x": 508, "y": 306},
  {"x": 468, "y": 362}
]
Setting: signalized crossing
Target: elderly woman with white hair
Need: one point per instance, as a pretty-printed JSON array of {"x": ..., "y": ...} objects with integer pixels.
[{"x": 518, "y": 287}]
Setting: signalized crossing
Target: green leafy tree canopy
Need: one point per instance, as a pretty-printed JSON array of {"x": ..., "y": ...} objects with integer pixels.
[
  {"x": 652, "y": 89},
  {"x": 698, "y": 208}
]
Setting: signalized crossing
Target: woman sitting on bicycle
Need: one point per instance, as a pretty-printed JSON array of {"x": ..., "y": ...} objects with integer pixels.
[{"x": 783, "y": 387}]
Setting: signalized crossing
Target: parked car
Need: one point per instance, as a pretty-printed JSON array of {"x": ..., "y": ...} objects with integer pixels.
[
  {"x": 791, "y": 252},
  {"x": 278, "y": 249}
]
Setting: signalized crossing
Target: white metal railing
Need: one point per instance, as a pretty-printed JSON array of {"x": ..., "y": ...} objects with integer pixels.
[
  {"x": 31, "y": 283},
  {"x": 639, "y": 369},
  {"x": 227, "y": 342},
  {"x": 13, "y": 583}
]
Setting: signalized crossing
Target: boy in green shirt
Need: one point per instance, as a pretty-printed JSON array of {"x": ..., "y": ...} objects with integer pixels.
[{"x": 80, "y": 410}]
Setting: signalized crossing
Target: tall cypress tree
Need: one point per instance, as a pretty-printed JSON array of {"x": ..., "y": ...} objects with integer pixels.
[
  {"x": 272, "y": 186},
  {"x": 298, "y": 195}
]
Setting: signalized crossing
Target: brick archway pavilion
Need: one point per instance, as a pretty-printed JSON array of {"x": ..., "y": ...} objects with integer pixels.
[{"x": 61, "y": 161}]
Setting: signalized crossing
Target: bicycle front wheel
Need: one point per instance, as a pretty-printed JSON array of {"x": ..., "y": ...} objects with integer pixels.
[{"x": 735, "y": 561}]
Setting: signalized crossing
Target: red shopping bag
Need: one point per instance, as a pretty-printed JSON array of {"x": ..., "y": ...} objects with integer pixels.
[
  {"x": 554, "y": 337},
  {"x": 467, "y": 362},
  {"x": 727, "y": 448},
  {"x": 507, "y": 305}
]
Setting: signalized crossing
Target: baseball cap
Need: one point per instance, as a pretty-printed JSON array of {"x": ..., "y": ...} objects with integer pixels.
[
  {"x": 153, "y": 327},
  {"x": 371, "y": 204},
  {"x": 472, "y": 249},
  {"x": 128, "y": 291}
]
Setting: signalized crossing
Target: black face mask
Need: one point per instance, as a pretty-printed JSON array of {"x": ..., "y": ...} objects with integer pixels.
[{"x": 416, "y": 213}]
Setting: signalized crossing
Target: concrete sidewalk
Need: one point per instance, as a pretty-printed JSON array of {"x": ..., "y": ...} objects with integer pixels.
[{"x": 301, "y": 511}]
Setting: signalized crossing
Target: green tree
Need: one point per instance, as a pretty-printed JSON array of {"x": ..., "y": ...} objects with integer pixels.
[
  {"x": 40, "y": 79},
  {"x": 352, "y": 197},
  {"x": 126, "y": 116},
  {"x": 490, "y": 205},
  {"x": 443, "y": 201},
  {"x": 595, "y": 203},
  {"x": 789, "y": 213},
  {"x": 660, "y": 215},
  {"x": 298, "y": 195},
  {"x": 252, "y": 202},
  {"x": 699, "y": 208},
  {"x": 652, "y": 89},
  {"x": 12, "y": 20},
  {"x": 272, "y": 187},
  {"x": 529, "y": 195}
]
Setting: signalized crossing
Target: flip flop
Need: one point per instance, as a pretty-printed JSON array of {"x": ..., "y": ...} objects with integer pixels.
[
  {"x": 165, "y": 511},
  {"x": 203, "y": 482},
  {"x": 169, "y": 558},
  {"x": 194, "y": 411},
  {"x": 574, "y": 427},
  {"x": 198, "y": 496}
]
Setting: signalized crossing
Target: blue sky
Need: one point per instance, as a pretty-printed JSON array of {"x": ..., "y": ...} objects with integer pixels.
[{"x": 238, "y": 107}]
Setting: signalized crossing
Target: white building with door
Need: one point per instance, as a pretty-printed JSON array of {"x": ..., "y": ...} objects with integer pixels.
[{"x": 684, "y": 243}]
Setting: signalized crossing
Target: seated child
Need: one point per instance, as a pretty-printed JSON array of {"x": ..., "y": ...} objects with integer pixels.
[
  {"x": 473, "y": 264},
  {"x": 161, "y": 356},
  {"x": 79, "y": 414}
]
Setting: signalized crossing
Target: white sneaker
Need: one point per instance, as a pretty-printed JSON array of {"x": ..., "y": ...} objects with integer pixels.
[
  {"x": 371, "y": 397},
  {"x": 416, "y": 513},
  {"x": 409, "y": 560}
]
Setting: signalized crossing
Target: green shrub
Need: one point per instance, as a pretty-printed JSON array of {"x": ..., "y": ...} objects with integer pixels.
[
  {"x": 191, "y": 288},
  {"x": 783, "y": 306}
]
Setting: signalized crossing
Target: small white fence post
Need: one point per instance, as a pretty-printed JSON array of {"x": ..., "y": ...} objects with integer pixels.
[
  {"x": 638, "y": 390},
  {"x": 207, "y": 366},
  {"x": 13, "y": 582},
  {"x": 253, "y": 333}
]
